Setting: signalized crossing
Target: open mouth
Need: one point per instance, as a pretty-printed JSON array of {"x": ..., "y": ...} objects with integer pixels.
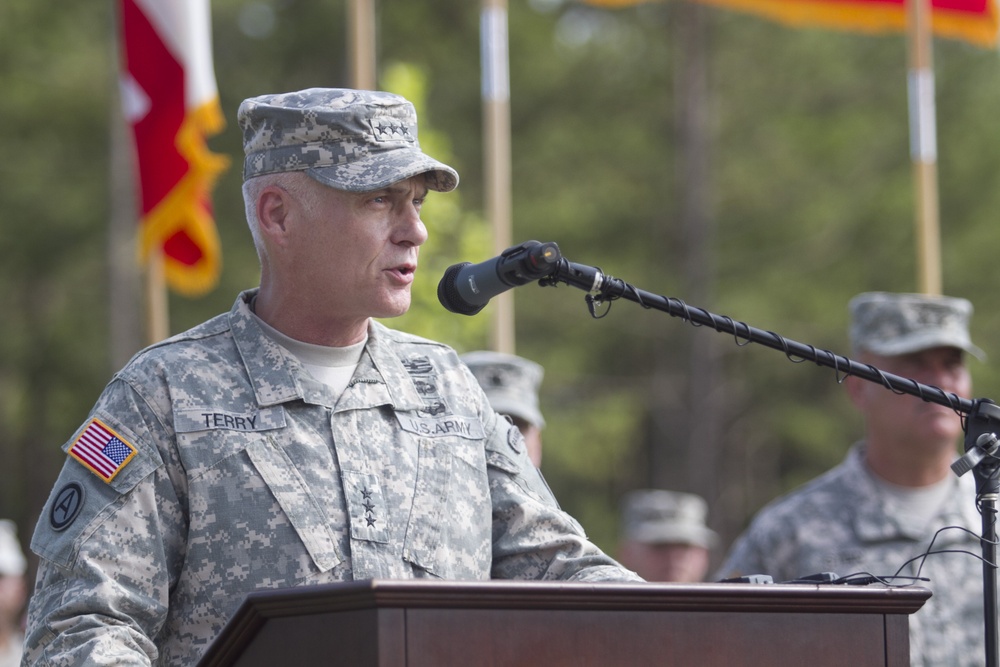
[{"x": 404, "y": 272}]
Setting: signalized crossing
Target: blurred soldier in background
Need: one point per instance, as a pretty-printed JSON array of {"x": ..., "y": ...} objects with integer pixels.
[
  {"x": 878, "y": 511},
  {"x": 13, "y": 594},
  {"x": 511, "y": 383},
  {"x": 664, "y": 536}
]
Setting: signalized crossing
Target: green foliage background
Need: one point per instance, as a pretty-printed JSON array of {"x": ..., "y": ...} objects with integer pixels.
[{"x": 811, "y": 200}]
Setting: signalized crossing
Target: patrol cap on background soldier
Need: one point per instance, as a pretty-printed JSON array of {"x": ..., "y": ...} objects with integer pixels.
[
  {"x": 13, "y": 593},
  {"x": 890, "y": 324},
  {"x": 12, "y": 560},
  {"x": 664, "y": 536},
  {"x": 511, "y": 383}
]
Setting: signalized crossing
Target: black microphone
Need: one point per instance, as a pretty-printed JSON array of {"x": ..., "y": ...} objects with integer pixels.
[{"x": 466, "y": 288}]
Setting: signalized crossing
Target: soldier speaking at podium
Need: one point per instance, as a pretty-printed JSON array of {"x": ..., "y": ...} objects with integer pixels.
[{"x": 293, "y": 440}]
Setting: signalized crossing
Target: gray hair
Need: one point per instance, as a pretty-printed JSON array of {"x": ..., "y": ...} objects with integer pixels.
[{"x": 296, "y": 183}]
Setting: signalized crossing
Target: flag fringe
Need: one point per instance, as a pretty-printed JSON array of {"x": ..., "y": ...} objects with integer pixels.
[
  {"x": 187, "y": 209},
  {"x": 980, "y": 30}
]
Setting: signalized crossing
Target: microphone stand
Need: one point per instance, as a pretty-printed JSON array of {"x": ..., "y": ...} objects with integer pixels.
[{"x": 981, "y": 420}]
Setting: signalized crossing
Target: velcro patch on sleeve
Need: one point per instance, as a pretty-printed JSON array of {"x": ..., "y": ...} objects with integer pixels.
[{"x": 102, "y": 450}]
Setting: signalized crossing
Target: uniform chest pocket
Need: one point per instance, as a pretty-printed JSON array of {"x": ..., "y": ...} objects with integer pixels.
[
  {"x": 254, "y": 520},
  {"x": 449, "y": 531},
  {"x": 300, "y": 505}
]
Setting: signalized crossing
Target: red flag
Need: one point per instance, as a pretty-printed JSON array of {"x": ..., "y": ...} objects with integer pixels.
[
  {"x": 974, "y": 21},
  {"x": 172, "y": 105}
]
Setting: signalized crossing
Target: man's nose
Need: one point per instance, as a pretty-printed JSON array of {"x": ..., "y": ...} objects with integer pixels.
[{"x": 411, "y": 228}]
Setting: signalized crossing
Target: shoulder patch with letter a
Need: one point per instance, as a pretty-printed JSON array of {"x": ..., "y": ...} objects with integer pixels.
[{"x": 102, "y": 450}]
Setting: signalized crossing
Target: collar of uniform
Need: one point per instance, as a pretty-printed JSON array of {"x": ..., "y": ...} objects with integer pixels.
[
  {"x": 268, "y": 366},
  {"x": 381, "y": 381},
  {"x": 381, "y": 377},
  {"x": 876, "y": 521}
]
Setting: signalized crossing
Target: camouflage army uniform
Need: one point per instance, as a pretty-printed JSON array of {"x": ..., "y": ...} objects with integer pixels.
[
  {"x": 842, "y": 522},
  {"x": 247, "y": 474}
]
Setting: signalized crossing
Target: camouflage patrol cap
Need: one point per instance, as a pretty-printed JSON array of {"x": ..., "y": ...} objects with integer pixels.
[
  {"x": 510, "y": 382},
  {"x": 657, "y": 516},
  {"x": 354, "y": 140},
  {"x": 891, "y": 324},
  {"x": 12, "y": 562}
]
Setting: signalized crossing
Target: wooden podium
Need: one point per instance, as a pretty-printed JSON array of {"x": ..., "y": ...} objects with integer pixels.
[{"x": 424, "y": 623}]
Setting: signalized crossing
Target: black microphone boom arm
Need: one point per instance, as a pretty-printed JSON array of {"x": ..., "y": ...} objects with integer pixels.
[{"x": 605, "y": 288}]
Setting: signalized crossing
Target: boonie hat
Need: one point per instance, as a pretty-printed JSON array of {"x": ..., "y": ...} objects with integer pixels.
[
  {"x": 12, "y": 562},
  {"x": 510, "y": 382},
  {"x": 657, "y": 516},
  {"x": 354, "y": 140},
  {"x": 891, "y": 324}
]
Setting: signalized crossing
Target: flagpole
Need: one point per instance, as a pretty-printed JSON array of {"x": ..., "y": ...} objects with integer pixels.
[
  {"x": 923, "y": 148},
  {"x": 157, "y": 324},
  {"x": 496, "y": 150},
  {"x": 157, "y": 310},
  {"x": 923, "y": 145},
  {"x": 125, "y": 334},
  {"x": 361, "y": 43}
]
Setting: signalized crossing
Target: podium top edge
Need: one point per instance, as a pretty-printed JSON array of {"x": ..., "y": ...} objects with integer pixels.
[{"x": 381, "y": 593}]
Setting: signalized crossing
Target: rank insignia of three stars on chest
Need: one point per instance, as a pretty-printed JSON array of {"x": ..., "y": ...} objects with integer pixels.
[{"x": 370, "y": 519}]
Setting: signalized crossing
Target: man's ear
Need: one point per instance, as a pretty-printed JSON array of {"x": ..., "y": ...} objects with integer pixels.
[{"x": 273, "y": 208}]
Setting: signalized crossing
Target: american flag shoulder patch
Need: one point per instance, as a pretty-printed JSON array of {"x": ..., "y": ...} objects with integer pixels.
[{"x": 102, "y": 450}]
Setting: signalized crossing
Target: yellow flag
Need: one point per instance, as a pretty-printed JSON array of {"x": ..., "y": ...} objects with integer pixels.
[{"x": 615, "y": 4}]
